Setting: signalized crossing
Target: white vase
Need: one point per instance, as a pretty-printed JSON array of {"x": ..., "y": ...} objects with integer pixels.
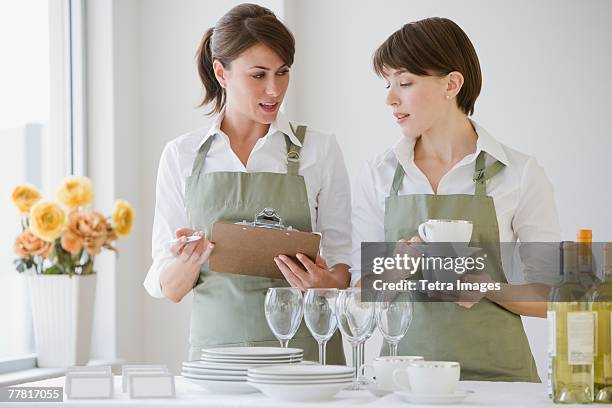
[{"x": 62, "y": 314}]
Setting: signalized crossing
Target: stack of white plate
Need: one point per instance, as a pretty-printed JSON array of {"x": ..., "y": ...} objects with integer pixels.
[
  {"x": 300, "y": 382},
  {"x": 252, "y": 355},
  {"x": 224, "y": 370}
]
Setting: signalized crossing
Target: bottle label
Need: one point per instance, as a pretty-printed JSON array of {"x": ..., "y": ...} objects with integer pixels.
[
  {"x": 551, "y": 318},
  {"x": 580, "y": 336}
]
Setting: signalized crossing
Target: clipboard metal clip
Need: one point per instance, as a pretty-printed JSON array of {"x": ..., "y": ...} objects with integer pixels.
[{"x": 267, "y": 218}]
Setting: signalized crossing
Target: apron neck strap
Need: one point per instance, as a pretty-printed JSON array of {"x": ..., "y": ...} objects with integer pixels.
[
  {"x": 198, "y": 164},
  {"x": 293, "y": 150},
  {"x": 398, "y": 177},
  {"x": 482, "y": 173}
]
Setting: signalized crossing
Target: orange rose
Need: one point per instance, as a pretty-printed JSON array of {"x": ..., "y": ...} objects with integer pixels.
[
  {"x": 71, "y": 243},
  {"x": 85, "y": 229},
  {"x": 28, "y": 244}
]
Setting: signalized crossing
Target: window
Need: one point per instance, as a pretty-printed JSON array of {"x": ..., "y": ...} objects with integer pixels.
[{"x": 40, "y": 134}]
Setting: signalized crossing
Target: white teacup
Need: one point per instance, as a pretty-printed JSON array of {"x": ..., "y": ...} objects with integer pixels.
[
  {"x": 446, "y": 231},
  {"x": 384, "y": 367},
  {"x": 428, "y": 377}
]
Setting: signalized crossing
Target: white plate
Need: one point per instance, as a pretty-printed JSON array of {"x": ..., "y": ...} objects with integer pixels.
[
  {"x": 252, "y": 351},
  {"x": 251, "y": 357},
  {"x": 453, "y": 398},
  {"x": 214, "y": 377},
  {"x": 348, "y": 380},
  {"x": 302, "y": 370},
  {"x": 228, "y": 358},
  {"x": 299, "y": 378},
  {"x": 205, "y": 371},
  {"x": 215, "y": 366},
  {"x": 301, "y": 393},
  {"x": 252, "y": 362},
  {"x": 224, "y": 387}
]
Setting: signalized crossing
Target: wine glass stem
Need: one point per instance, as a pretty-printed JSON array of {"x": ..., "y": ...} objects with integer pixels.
[
  {"x": 361, "y": 355},
  {"x": 393, "y": 349},
  {"x": 284, "y": 343},
  {"x": 322, "y": 357},
  {"x": 355, "y": 366}
]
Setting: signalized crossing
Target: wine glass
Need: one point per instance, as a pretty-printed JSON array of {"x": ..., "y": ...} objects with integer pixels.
[
  {"x": 320, "y": 316},
  {"x": 393, "y": 318},
  {"x": 355, "y": 319},
  {"x": 283, "y": 307},
  {"x": 361, "y": 349}
]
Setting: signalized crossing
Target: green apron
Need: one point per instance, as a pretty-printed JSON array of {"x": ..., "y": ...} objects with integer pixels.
[
  {"x": 488, "y": 340},
  {"x": 228, "y": 310}
]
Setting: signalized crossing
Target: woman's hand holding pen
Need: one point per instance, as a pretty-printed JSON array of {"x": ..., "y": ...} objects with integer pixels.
[
  {"x": 195, "y": 252},
  {"x": 190, "y": 252}
]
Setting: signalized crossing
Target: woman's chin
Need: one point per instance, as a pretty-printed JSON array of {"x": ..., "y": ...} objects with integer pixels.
[
  {"x": 409, "y": 133},
  {"x": 265, "y": 118}
]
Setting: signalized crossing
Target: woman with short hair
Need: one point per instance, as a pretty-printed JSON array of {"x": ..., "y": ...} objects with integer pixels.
[{"x": 446, "y": 166}]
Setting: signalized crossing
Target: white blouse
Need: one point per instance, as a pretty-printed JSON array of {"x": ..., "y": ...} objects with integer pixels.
[
  {"x": 321, "y": 165},
  {"x": 523, "y": 195}
]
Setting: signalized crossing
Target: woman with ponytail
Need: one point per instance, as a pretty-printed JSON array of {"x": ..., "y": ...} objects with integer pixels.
[{"x": 251, "y": 158}]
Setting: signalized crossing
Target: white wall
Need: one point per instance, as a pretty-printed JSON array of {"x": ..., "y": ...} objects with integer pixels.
[{"x": 545, "y": 92}]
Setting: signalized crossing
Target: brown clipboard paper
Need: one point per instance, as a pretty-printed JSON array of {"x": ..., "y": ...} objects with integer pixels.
[{"x": 249, "y": 250}]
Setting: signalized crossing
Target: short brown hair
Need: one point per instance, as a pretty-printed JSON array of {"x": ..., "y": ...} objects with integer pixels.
[
  {"x": 240, "y": 28},
  {"x": 435, "y": 47}
]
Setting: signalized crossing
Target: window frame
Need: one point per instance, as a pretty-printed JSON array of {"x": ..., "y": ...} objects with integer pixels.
[{"x": 67, "y": 112}]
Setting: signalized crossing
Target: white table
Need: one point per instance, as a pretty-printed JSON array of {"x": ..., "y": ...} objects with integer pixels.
[{"x": 487, "y": 394}]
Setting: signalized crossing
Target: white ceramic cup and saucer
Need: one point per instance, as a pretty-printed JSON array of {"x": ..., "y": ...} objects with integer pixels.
[
  {"x": 383, "y": 368},
  {"x": 430, "y": 382},
  {"x": 455, "y": 231}
]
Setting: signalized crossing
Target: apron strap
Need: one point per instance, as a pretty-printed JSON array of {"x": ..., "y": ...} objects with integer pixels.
[
  {"x": 482, "y": 174},
  {"x": 397, "y": 179},
  {"x": 293, "y": 153},
  {"x": 198, "y": 164},
  {"x": 293, "y": 150}
]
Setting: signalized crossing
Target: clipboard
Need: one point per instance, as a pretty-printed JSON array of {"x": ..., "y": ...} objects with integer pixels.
[{"x": 249, "y": 248}]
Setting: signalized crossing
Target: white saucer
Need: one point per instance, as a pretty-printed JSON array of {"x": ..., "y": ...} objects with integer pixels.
[
  {"x": 446, "y": 249},
  {"x": 453, "y": 398},
  {"x": 377, "y": 391}
]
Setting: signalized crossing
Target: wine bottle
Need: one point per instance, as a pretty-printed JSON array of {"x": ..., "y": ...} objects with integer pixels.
[
  {"x": 602, "y": 306},
  {"x": 586, "y": 265},
  {"x": 572, "y": 326}
]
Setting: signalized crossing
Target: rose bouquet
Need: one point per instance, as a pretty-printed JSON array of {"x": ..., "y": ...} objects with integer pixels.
[{"x": 63, "y": 237}]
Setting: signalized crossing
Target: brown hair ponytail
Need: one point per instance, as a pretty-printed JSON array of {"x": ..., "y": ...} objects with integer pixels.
[
  {"x": 212, "y": 89},
  {"x": 239, "y": 29}
]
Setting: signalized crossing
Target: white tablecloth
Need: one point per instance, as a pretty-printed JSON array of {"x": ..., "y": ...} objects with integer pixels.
[{"x": 487, "y": 394}]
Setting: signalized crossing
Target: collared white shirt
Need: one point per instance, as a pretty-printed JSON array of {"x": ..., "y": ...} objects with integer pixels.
[
  {"x": 523, "y": 195},
  {"x": 321, "y": 165}
]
